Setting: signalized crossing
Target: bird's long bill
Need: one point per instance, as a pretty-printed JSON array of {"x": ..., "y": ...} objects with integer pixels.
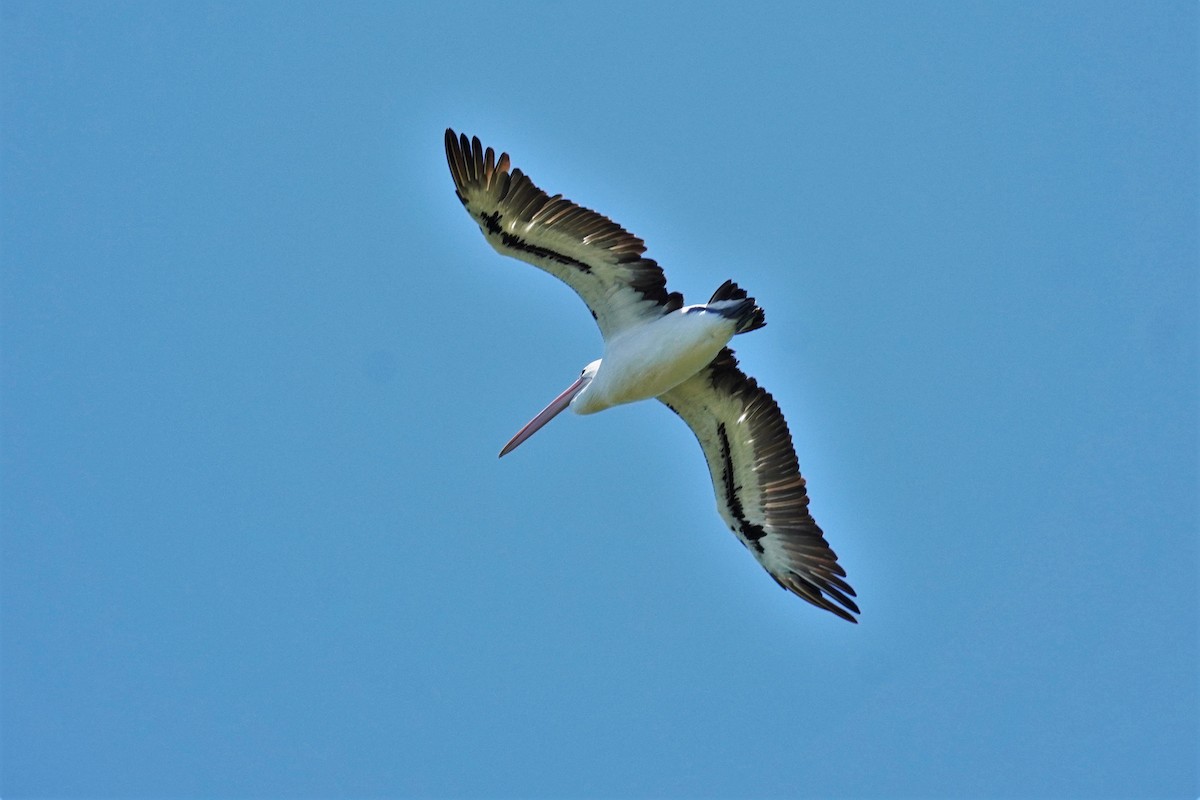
[{"x": 545, "y": 415}]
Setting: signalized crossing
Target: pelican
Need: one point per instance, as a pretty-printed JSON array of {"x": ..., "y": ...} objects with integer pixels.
[{"x": 657, "y": 347}]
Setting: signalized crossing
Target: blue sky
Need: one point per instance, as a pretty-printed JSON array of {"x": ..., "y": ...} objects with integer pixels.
[{"x": 257, "y": 364}]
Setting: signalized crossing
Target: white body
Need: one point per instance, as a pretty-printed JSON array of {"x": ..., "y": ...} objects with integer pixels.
[{"x": 649, "y": 360}]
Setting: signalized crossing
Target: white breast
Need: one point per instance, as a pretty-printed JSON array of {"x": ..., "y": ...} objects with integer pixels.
[{"x": 651, "y": 359}]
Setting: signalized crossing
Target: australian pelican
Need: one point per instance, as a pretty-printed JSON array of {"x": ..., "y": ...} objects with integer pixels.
[{"x": 655, "y": 346}]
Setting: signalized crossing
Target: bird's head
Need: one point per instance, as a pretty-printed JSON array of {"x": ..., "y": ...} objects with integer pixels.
[{"x": 569, "y": 397}]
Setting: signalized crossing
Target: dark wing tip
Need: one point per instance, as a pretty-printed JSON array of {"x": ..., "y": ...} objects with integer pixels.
[
  {"x": 473, "y": 166},
  {"x": 819, "y": 593},
  {"x": 840, "y": 612}
]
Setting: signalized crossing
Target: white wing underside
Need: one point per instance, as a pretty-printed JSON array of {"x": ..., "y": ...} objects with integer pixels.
[
  {"x": 593, "y": 255},
  {"x": 756, "y": 477}
]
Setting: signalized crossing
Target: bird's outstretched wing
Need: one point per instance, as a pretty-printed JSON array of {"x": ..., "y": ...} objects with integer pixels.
[
  {"x": 593, "y": 255},
  {"x": 760, "y": 492}
]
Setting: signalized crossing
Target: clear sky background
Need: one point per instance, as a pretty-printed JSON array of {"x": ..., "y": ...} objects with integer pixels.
[{"x": 258, "y": 362}]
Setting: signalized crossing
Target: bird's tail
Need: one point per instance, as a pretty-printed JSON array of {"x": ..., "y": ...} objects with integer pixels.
[{"x": 735, "y": 304}]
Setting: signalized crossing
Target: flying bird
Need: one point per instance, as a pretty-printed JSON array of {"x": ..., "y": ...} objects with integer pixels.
[{"x": 657, "y": 347}]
